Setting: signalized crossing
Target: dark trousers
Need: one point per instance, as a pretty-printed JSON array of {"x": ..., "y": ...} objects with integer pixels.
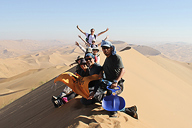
[
  {"x": 71, "y": 96},
  {"x": 93, "y": 86},
  {"x": 99, "y": 95}
]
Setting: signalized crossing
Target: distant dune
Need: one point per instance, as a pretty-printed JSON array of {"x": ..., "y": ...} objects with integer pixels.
[
  {"x": 21, "y": 74},
  {"x": 117, "y": 42},
  {"x": 145, "y": 50},
  {"x": 119, "y": 45},
  {"x": 51, "y": 57},
  {"x": 15, "y": 48},
  {"x": 176, "y": 51}
]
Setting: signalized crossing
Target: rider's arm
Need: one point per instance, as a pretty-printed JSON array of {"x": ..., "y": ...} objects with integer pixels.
[
  {"x": 87, "y": 44},
  {"x": 97, "y": 84},
  {"x": 81, "y": 47},
  {"x": 81, "y": 30},
  {"x": 104, "y": 39},
  {"x": 72, "y": 64},
  {"x": 103, "y": 32},
  {"x": 122, "y": 72}
]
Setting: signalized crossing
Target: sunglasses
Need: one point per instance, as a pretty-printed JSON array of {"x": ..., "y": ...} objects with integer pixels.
[
  {"x": 88, "y": 59},
  {"x": 83, "y": 64},
  {"x": 105, "y": 47}
]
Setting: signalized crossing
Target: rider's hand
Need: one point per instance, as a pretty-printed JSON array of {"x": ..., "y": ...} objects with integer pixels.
[
  {"x": 107, "y": 29},
  {"x": 113, "y": 85},
  {"x": 77, "y": 26},
  {"x": 79, "y": 36},
  {"x": 91, "y": 96},
  {"x": 77, "y": 43}
]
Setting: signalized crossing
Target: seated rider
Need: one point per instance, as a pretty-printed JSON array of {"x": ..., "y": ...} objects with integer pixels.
[
  {"x": 88, "y": 67},
  {"x": 63, "y": 97},
  {"x": 113, "y": 71},
  {"x": 95, "y": 51},
  {"x": 87, "y": 50},
  {"x": 94, "y": 68},
  {"x": 77, "y": 61}
]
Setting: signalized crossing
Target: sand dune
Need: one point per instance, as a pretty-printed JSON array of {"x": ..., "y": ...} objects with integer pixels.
[
  {"x": 160, "y": 88},
  {"x": 158, "y": 92},
  {"x": 179, "y": 51},
  {"x": 55, "y": 56},
  {"x": 26, "y": 82},
  {"x": 145, "y": 50},
  {"x": 24, "y": 73},
  {"x": 12, "y": 66},
  {"x": 119, "y": 45},
  {"x": 15, "y": 48},
  {"x": 180, "y": 69}
]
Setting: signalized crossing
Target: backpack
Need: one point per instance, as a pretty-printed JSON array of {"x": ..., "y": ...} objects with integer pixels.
[
  {"x": 87, "y": 39},
  {"x": 92, "y": 46}
]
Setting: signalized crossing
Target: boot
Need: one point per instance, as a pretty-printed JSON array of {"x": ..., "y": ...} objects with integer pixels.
[
  {"x": 133, "y": 108},
  {"x": 113, "y": 114},
  {"x": 132, "y": 111},
  {"x": 56, "y": 101}
]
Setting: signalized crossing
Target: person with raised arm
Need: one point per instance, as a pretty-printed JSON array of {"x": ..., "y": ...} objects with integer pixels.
[
  {"x": 81, "y": 47},
  {"x": 93, "y": 42},
  {"x": 91, "y": 36}
]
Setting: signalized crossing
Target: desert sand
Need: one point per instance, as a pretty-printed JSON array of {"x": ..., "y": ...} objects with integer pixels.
[
  {"x": 23, "y": 74},
  {"x": 159, "y": 87},
  {"x": 180, "y": 51}
]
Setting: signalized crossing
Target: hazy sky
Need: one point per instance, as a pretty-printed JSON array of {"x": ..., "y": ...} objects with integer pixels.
[{"x": 138, "y": 21}]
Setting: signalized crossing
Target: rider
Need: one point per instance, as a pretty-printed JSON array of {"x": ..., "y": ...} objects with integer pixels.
[
  {"x": 87, "y": 50},
  {"x": 93, "y": 50},
  {"x": 93, "y": 42},
  {"x": 77, "y": 61},
  {"x": 92, "y": 35},
  {"x": 94, "y": 68},
  {"x": 114, "y": 70},
  {"x": 63, "y": 97},
  {"x": 95, "y": 53},
  {"x": 87, "y": 67}
]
